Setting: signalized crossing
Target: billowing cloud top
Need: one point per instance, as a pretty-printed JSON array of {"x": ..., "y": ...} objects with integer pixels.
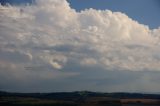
[{"x": 50, "y": 40}]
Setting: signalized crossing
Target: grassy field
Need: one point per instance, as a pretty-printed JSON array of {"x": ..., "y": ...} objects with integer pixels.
[
  {"x": 93, "y": 101},
  {"x": 26, "y": 101},
  {"x": 77, "y": 99}
]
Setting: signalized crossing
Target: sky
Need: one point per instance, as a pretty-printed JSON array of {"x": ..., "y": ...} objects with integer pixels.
[
  {"x": 59, "y": 46},
  {"x": 144, "y": 11}
]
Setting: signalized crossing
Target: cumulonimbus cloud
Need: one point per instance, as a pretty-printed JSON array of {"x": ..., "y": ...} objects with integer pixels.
[{"x": 52, "y": 34}]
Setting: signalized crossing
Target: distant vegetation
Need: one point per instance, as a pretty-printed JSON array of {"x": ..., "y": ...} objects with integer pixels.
[{"x": 83, "y": 98}]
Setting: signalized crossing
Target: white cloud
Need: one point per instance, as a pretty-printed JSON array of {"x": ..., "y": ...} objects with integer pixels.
[
  {"x": 53, "y": 34},
  {"x": 116, "y": 39}
]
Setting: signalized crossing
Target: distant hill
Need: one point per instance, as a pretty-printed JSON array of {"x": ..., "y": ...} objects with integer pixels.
[{"x": 81, "y": 94}]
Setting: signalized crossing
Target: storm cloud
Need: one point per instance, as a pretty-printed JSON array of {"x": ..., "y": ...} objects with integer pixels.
[{"x": 48, "y": 46}]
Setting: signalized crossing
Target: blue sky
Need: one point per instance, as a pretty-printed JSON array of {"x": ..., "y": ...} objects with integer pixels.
[
  {"x": 15, "y": 1},
  {"x": 144, "y": 11}
]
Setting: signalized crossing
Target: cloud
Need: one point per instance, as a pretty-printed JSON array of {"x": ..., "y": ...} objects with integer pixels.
[
  {"x": 88, "y": 61},
  {"x": 71, "y": 45}
]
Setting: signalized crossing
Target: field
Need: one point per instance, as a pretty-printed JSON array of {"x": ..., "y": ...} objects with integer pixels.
[{"x": 78, "y": 99}]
